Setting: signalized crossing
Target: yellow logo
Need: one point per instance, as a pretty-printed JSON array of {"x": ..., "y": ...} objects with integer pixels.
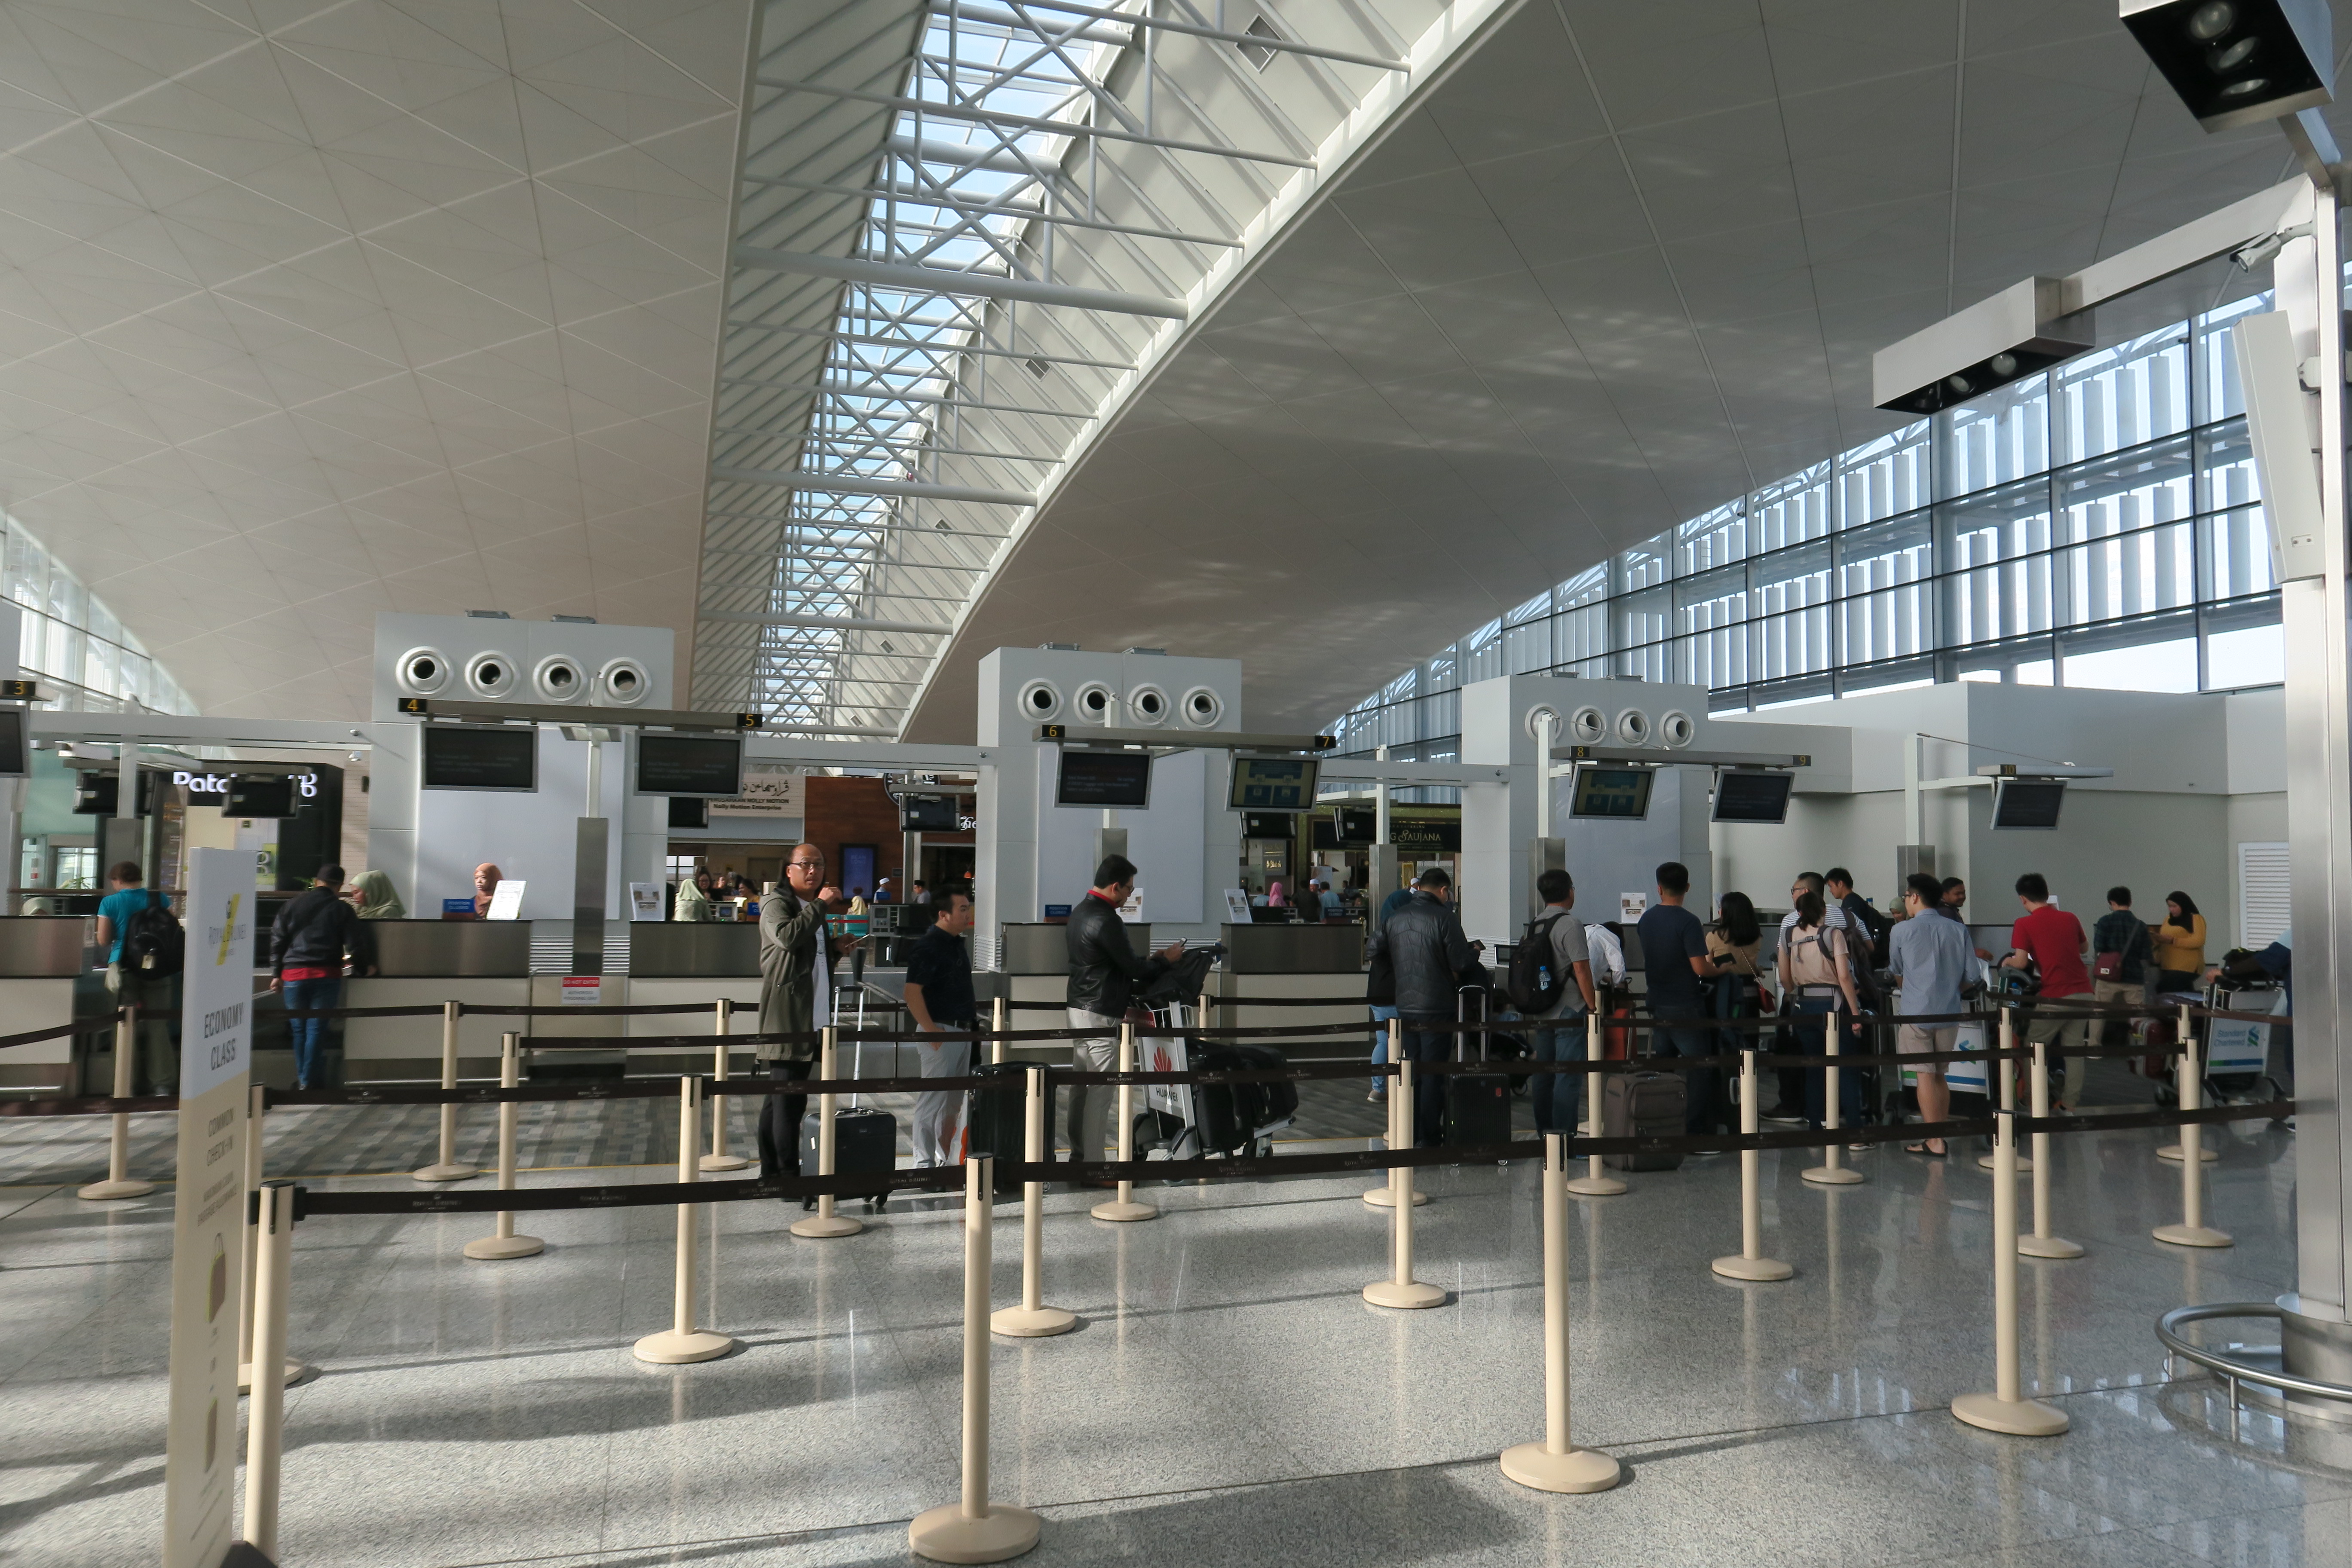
[{"x": 229, "y": 931}]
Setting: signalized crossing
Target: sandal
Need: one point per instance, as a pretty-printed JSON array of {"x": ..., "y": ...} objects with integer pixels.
[{"x": 1921, "y": 1148}]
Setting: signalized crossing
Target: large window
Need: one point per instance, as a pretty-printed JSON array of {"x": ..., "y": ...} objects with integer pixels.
[
  {"x": 2098, "y": 525},
  {"x": 71, "y": 643}
]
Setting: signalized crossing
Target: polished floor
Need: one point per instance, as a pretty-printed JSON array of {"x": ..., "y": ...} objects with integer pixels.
[{"x": 1229, "y": 1398}]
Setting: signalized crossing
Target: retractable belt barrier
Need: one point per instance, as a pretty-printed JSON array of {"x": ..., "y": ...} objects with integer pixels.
[{"x": 89, "y": 1026}]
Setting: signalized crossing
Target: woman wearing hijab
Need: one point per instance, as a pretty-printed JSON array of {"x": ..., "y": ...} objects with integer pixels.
[
  {"x": 2179, "y": 944},
  {"x": 694, "y": 898},
  {"x": 1275, "y": 897},
  {"x": 372, "y": 893}
]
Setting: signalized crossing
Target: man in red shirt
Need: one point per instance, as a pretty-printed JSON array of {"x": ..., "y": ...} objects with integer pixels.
[{"x": 2053, "y": 941}]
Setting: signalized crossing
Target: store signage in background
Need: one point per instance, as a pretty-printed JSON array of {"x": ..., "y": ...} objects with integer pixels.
[
  {"x": 1424, "y": 833},
  {"x": 764, "y": 795},
  {"x": 208, "y": 1274},
  {"x": 198, "y": 785}
]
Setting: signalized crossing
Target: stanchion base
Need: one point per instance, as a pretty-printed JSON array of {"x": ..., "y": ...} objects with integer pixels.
[
  {"x": 1578, "y": 1470},
  {"x": 2017, "y": 1417},
  {"x": 819, "y": 1227},
  {"x": 1595, "y": 1186},
  {"x": 1031, "y": 1322},
  {"x": 2048, "y": 1246},
  {"x": 2024, "y": 1165},
  {"x": 724, "y": 1162},
  {"x": 1381, "y": 1198},
  {"x": 670, "y": 1348},
  {"x": 944, "y": 1535},
  {"x": 2172, "y": 1151},
  {"x": 1754, "y": 1268},
  {"x": 446, "y": 1173},
  {"x": 495, "y": 1247},
  {"x": 1831, "y": 1175},
  {"x": 1125, "y": 1214},
  {"x": 1408, "y": 1297},
  {"x": 296, "y": 1371},
  {"x": 2193, "y": 1236},
  {"x": 100, "y": 1192}
]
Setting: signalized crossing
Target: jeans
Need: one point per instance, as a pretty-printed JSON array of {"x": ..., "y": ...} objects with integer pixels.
[
  {"x": 310, "y": 1034},
  {"x": 1669, "y": 1037},
  {"x": 1558, "y": 1095},
  {"x": 1380, "y": 1015},
  {"x": 1814, "y": 1017},
  {"x": 780, "y": 1121},
  {"x": 1423, "y": 1043}
]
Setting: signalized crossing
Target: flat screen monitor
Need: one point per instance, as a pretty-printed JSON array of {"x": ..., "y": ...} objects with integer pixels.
[
  {"x": 1353, "y": 826},
  {"x": 15, "y": 755},
  {"x": 1104, "y": 779},
  {"x": 1744, "y": 797},
  {"x": 928, "y": 814},
  {"x": 258, "y": 794},
  {"x": 1274, "y": 783},
  {"x": 1622, "y": 794},
  {"x": 2028, "y": 803},
  {"x": 710, "y": 767},
  {"x": 691, "y": 812},
  {"x": 478, "y": 757}
]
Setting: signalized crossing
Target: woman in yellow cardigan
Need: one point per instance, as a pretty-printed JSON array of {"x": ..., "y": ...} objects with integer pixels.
[{"x": 2179, "y": 944}]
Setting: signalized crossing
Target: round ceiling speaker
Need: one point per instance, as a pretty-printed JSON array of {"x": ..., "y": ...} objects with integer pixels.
[
  {"x": 1632, "y": 728},
  {"x": 1588, "y": 726},
  {"x": 490, "y": 674},
  {"x": 1094, "y": 702},
  {"x": 422, "y": 671},
  {"x": 1676, "y": 729},
  {"x": 622, "y": 683},
  {"x": 1202, "y": 709},
  {"x": 1147, "y": 704},
  {"x": 1039, "y": 700},
  {"x": 557, "y": 679}
]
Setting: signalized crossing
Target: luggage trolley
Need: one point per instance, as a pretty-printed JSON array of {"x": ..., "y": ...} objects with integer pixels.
[
  {"x": 2238, "y": 1051},
  {"x": 1192, "y": 1121}
]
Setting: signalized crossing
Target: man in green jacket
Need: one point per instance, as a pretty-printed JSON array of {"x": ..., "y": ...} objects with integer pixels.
[{"x": 795, "y": 991}]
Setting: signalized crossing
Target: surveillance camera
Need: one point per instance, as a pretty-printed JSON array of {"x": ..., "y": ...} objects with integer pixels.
[
  {"x": 2237, "y": 62},
  {"x": 2022, "y": 329}
]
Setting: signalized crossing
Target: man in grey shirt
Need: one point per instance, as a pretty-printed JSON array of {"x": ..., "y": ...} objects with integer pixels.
[
  {"x": 1557, "y": 1094},
  {"x": 1933, "y": 958}
]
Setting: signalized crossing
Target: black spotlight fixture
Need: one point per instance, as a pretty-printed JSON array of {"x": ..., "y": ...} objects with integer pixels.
[{"x": 2237, "y": 62}]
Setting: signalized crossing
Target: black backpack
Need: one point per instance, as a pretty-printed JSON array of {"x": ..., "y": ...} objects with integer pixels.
[
  {"x": 1524, "y": 983},
  {"x": 153, "y": 941}
]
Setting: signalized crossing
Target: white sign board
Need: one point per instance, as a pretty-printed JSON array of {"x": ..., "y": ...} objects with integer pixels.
[
  {"x": 1631, "y": 907},
  {"x": 1237, "y": 907},
  {"x": 506, "y": 901},
  {"x": 764, "y": 795},
  {"x": 208, "y": 1209},
  {"x": 1133, "y": 908},
  {"x": 645, "y": 900}
]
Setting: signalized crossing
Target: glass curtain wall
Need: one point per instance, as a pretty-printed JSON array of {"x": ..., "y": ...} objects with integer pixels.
[
  {"x": 72, "y": 643},
  {"x": 2095, "y": 525}
]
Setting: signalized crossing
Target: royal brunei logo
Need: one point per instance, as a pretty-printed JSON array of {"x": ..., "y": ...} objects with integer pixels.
[{"x": 229, "y": 931}]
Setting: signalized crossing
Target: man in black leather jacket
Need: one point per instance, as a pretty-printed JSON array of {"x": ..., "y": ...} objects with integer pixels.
[
  {"x": 1104, "y": 976},
  {"x": 1425, "y": 950}
]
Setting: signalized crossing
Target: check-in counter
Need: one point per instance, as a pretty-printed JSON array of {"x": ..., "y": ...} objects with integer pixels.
[
  {"x": 696, "y": 961},
  {"x": 41, "y": 965},
  {"x": 1288, "y": 960},
  {"x": 426, "y": 962},
  {"x": 1036, "y": 968}
]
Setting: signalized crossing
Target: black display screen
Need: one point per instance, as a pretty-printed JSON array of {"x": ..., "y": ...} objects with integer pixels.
[
  {"x": 709, "y": 766},
  {"x": 1619, "y": 793},
  {"x": 467, "y": 757},
  {"x": 928, "y": 814},
  {"x": 1752, "y": 797},
  {"x": 258, "y": 794},
  {"x": 1107, "y": 779},
  {"x": 2028, "y": 803},
  {"x": 1274, "y": 783},
  {"x": 16, "y": 759}
]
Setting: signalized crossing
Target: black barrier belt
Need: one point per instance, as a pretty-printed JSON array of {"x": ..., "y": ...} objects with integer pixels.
[
  {"x": 480, "y": 1093},
  {"x": 560, "y": 1010},
  {"x": 89, "y": 1025},
  {"x": 656, "y": 1042},
  {"x": 1290, "y": 1002},
  {"x": 1271, "y": 1032},
  {"x": 945, "y": 1178},
  {"x": 2269, "y": 1110},
  {"x": 433, "y": 1011},
  {"x": 89, "y": 1105}
]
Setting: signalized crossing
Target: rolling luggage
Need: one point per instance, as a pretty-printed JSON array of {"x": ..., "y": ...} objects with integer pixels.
[
  {"x": 1644, "y": 1105},
  {"x": 865, "y": 1142},
  {"x": 996, "y": 1120},
  {"x": 1477, "y": 1105}
]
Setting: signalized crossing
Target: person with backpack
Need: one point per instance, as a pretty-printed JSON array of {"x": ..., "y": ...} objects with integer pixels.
[
  {"x": 145, "y": 949},
  {"x": 2123, "y": 961},
  {"x": 1816, "y": 969},
  {"x": 1550, "y": 980},
  {"x": 307, "y": 949}
]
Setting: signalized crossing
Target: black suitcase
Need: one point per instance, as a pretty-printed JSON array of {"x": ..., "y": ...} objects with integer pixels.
[
  {"x": 1477, "y": 1105},
  {"x": 865, "y": 1142},
  {"x": 1644, "y": 1105},
  {"x": 1230, "y": 1114},
  {"x": 996, "y": 1120}
]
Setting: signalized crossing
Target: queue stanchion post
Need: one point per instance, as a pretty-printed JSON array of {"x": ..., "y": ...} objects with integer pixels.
[
  {"x": 973, "y": 1528},
  {"x": 718, "y": 1159},
  {"x": 1401, "y": 1289},
  {"x": 1385, "y": 1194},
  {"x": 1832, "y": 1172},
  {"x": 445, "y": 1167},
  {"x": 2171, "y": 1151},
  {"x": 503, "y": 1242},
  {"x": 1595, "y": 1182},
  {"x": 825, "y": 1223},
  {"x": 264, "y": 1429},
  {"x": 1033, "y": 1319},
  {"x": 1749, "y": 1263},
  {"x": 2192, "y": 1230},
  {"x": 683, "y": 1342},
  {"x": 996, "y": 1015},
  {"x": 1123, "y": 1208},
  {"x": 2042, "y": 1243},
  {"x": 1557, "y": 1465},
  {"x": 118, "y": 1182},
  {"x": 295, "y": 1371},
  {"x": 2006, "y": 1409},
  {"x": 2007, "y": 1067}
]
